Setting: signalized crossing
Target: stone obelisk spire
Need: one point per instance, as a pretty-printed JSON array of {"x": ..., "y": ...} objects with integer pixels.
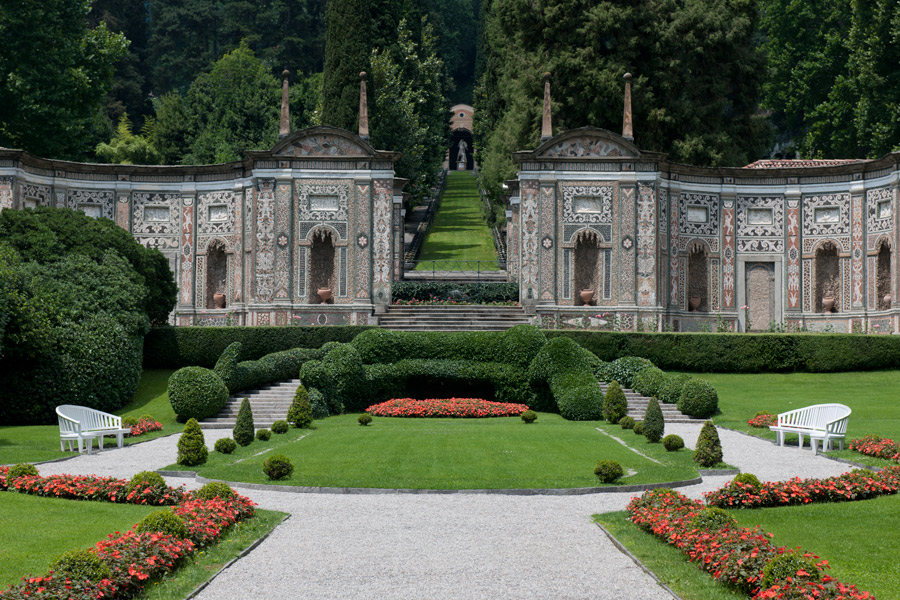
[
  {"x": 627, "y": 125},
  {"x": 546, "y": 121},
  {"x": 363, "y": 108},
  {"x": 285, "y": 126}
]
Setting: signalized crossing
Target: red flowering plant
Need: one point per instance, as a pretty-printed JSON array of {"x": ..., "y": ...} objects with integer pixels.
[
  {"x": 877, "y": 446},
  {"x": 446, "y": 407},
  {"x": 145, "y": 426},
  {"x": 858, "y": 484},
  {"x": 92, "y": 487},
  {"x": 206, "y": 519},
  {"x": 763, "y": 420}
]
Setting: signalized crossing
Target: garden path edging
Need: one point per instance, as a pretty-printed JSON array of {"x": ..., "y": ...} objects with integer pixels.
[{"x": 621, "y": 547}]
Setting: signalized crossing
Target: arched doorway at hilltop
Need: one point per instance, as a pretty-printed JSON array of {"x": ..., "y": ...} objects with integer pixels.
[{"x": 461, "y": 138}]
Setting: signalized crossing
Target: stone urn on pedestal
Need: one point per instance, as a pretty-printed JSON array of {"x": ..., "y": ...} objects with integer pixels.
[
  {"x": 219, "y": 300},
  {"x": 887, "y": 301},
  {"x": 586, "y": 296},
  {"x": 324, "y": 294},
  {"x": 827, "y": 304},
  {"x": 694, "y": 302}
]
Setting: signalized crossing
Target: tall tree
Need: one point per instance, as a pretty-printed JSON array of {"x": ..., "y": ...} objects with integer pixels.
[
  {"x": 185, "y": 38},
  {"x": 348, "y": 45},
  {"x": 55, "y": 72}
]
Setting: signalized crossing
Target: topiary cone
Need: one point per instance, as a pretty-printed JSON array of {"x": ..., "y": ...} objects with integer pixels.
[
  {"x": 191, "y": 445},
  {"x": 300, "y": 412},
  {"x": 709, "y": 448},
  {"x": 654, "y": 423},
  {"x": 615, "y": 406},
  {"x": 244, "y": 430}
]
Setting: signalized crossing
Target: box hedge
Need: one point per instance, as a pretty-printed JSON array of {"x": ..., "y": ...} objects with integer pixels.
[
  {"x": 474, "y": 293},
  {"x": 562, "y": 376}
]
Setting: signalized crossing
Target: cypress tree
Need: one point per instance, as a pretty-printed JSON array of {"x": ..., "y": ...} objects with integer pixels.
[
  {"x": 709, "y": 448},
  {"x": 244, "y": 430},
  {"x": 300, "y": 412},
  {"x": 615, "y": 406},
  {"x": 348, "y": 44},
  {"x": 654, "y": 424},
  {"x": 191, "y": 445}
]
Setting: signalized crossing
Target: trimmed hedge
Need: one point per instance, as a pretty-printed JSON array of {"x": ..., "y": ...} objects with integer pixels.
[
  {"x": 745, "y": 353},
  {"x": 698, "y": 398},
  {"x": 175, "y": 347},
  {"x": 562, "y": 374},
  {"x": 476, "y": 293},
  {"x": 196, "y": 393}
]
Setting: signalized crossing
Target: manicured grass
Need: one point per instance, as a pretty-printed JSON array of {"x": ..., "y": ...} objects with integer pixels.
[
  {"x": 41, "y": 442},
  {"x": 858, "y": 539},
  {"x": 496, "y": 453},
  {"x": 666, "y": 562},
  {"x": 459, "y": 231},
  {"x": 35, "y": 530},
  {"x": 207, "y": 562}
]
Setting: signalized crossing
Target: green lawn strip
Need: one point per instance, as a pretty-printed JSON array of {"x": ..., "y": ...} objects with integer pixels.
[
  {"x": 496, "y": 453},
  {"x": 459, "y": 231},
  {"x": 666, "y": 562},
  {"x": 207, "y": 562},
  {"x": 35, "y": 530},
  {"x": 36, "y": 443},
  {"x": 858, "y": 539}
]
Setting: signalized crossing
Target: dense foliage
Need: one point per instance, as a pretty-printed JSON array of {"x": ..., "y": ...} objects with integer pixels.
[
  {"x": 474, "y": 293},
  {"x": 191, "y": 445},
  {"x": 196, "y": 393},
  {"x": 244, "y": 430},
  {"x": 300, "y": 411},
  {"x": 698, "y": 398},
  {"x": 562, "y": 375},
  {"x": 615, "y": 405}
]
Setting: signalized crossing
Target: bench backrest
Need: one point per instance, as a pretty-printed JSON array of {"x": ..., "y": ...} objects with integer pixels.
[
  {"x": 826, "y": 417},
  {"x": 78, "y": 419}
]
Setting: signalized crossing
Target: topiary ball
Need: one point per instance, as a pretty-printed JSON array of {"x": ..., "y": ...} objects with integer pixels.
[
  {"x": 263, "y": 435},
  {"x": 789, "y": 565},
  {"x": 638, "y": 428},
  {"x": 713, "y": 519},
  {"x": 626, "y": 423},
  {"x": 225, "y": 445},
  {"x": 608, "y": 471},
  {"x": 146, "y": 417},
  {"x": 163, "y": 521},
  {"x": 81, "y": 565},
  {"x": 529, "y": 416},
  {"x": 669, "y": 391},
  {"x": 192, "y": 449},
  {"x": 748, "y": 479},
  {"x": 215, "y": 489},
  {"x": 698, "y": 399},
  {"x": 196, "y": 393},
  {"x": 277, "y": 466},
  {"x": 673, "y": 443},
  {"x": 364, "y": 419},
  {"x": 280, "y": 427},
  {"x": 20, "y": 470},
  {"x": 144, "y": 480},
  {"x": 129, "y": 421}
]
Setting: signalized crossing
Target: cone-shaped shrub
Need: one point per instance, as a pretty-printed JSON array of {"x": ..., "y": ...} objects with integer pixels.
[
  {"x": 244, "y": 429},
  {"x": 654, "y": 424},
  {"x": 300, "y": 412},
  {"x": 614, "y": 405},
  {"x": 709, "y": 448},
  {"x": 191, "y": 445}
]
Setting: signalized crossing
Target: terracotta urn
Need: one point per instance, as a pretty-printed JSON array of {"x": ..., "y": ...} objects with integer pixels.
[
  {"x": 887, "y": 300},
  {"x": 694, "y": 302},
  {"x": 219, "y": 300},
  {"x": 827, "y": 304},
  {"x": 324, "y": 294},
  {"x": 587, "y": 296}
]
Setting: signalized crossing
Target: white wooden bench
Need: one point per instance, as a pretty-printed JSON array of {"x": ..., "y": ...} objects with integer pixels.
[
  {"x": 825, "y": 422},
  {"x": 83, "y": 424}
]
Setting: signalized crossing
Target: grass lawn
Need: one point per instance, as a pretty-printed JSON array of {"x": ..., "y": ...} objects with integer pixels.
[
  {"x": 858, "y": 539},
  {"x": 37, "y": 443},
  {"x": 459, "y": 231},
  {"x": 35, "y": 530},
  {"x": 496, "y": 453}
]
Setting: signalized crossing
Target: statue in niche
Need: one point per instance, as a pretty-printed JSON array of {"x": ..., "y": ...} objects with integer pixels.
[{"x": 461, "y": 160}]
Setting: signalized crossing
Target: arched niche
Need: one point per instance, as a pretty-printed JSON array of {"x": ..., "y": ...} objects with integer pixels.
[
  {"x": 586, "y": 267},
  {"x": 883, "y": 275},
  {"x": 322, "y": 271},
  {"x": 461, "y": 138},
  {"x": 698, "y": 277},
  {"x": 216, "y": 274},
  {"x": 828, "y": 278}
]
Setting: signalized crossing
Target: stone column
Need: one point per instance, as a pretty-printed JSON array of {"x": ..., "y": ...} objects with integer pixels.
[
  {"x": 186, "y": 302},
  {"x": 626, "y": 240}
]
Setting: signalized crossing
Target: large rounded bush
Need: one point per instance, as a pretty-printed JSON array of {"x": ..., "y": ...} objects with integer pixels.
[
  {"x": 20, "y": 470},
  {"x": 196, "y": 393},
  {"x": 698, "y": 399},
  {"x": 669, "y": 391},
  {"x": 625, "y": 369},
  {"x": 713, "y": 519},
  {"x": 786, "y": 566},
  {"x": 144, "y": 480},
  {"x": 648, "y": 381}
]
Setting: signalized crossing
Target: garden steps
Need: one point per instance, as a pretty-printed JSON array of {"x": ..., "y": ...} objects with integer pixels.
[
  {"x": 637, "y": 406},
  {"x": 453, "y": 318},
  {"x": 269, "y": 404}
]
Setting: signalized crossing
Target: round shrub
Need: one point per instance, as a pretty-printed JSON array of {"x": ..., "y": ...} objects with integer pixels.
[
  {"x": 713, "y": 519},
  {"x": 669, "y": 391},
  {"x": 698, "y": 399},
  {"x": 300, "y": 412},
  {"x": 280, "y": 426},
  {"x": 608, "y": 471},
  {"x": 146, "y": 417},
  {"x": 144, "y": 480},
  {"x": 626, "y": 422},
  {"x": 638, "y": 428},
  {"x": 263, "y": 435},
  {"x": 191, "y": 445},
  {"x": 277, "y": 466},
  {"x": 196, "y": 393},
  {"x": 787, "y": 565},
  {"x": 215, "y": 489},
  {"x": 615, "y": 406},
  {"x": 81, "y": 565},
  {"x": 364, "y": 419},
  {"x": 748, "y": 479},
  {"x": 163, "y": 521},
  {"x": 673, "y": 443},
  {"x": 626, "y": 368},
  {"x": 577, "y": 395},
  {"x": 529, "y": 416},
  {"x": 129, "y": 421},
  {"x": 709, "y": 448},
  {"x": 243, "y": 426},
  {"x": 20, "y": 470},
  {"x": 654, "y": 424},
  {"x": 225, "y": 445},
  {"x": 648, "y": 381}
]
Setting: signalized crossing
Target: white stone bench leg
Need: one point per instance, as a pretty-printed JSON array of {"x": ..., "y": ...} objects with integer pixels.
[{"x": 800, "y": 435}]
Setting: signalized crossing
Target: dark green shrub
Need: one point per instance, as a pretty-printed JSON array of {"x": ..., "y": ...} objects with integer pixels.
[
  {"x": 615, "y": 406},
  {"x": 673, "y": 443},
  {"x": 20, "y": 470},
  {"x": 476, "y": 293},
  {"x": 146, "y": 417},
  {"x": 654, "y": 424},
  {"x": 277, "y": 466},
  {"x": 196, "y": 393},
  {"x": 648, "y": 381},
  {"x": 519, "y": 345},
  {"x": 227, "y": 367},
  {"x": 364, "y": 419},
  {"x": 625, "y": 369},
  {"x": 243, "y": 427},
  {"x": 698, "y": 399},
  {"x": 709, "y": 448},
  {"x": 318, "y": 404},
  {"x": 146, "y": 479},
  {"x": 191, "y": 445},
  {"x": 529, "y": 416},
  {"x": 713, "y": 519},
  {"x": 578, "y": 396},
  {"x": 81, "y": 565},
  {"x": 215, "y": 489},
  {"x": 670, "y": 388},
  {"x": 300, "y": 412},
  {"x": 280, "y": 427},
  {"x": 263, "y": 435},
  {"x": 339, "y": 376},
  {"x": 788, "y": 565},
  {"x": 638, "y": 428},
  {"x": 163, "y": 521},
  {"x": 626, "y": 422},
  {"x": 225, "y": 445},
  {"x": 608, "y": 471},
  {"x": 748, "y": 479},
  {"x": 129, "y": 421}
]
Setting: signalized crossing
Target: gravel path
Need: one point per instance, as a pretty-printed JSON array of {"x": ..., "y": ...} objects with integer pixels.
[{"x": 445, "y": 546}]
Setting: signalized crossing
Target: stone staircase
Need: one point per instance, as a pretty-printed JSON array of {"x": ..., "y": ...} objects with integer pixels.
[
  {"x": 269, "y": 404},
  {"x": 453, "y": 318},
  {"x": 637, "y": 406}
]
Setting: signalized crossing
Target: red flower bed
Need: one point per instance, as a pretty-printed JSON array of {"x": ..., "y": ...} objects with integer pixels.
[
  {"x": 877, "y": 446},
  {"x": 445, "y": 407},
  {"x": 764, "y": 420},
  {"x": 91, "y": 487},
  {"x": 145, "y": 426},
  {"x": 855, "y": 485},
  {"x": 736, "y": 556}
]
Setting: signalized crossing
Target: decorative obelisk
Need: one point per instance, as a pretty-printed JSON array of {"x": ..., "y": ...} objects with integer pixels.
[
  {"x": 627, "y": 126},
  {"x": 546, "y": 121},
  {"x": 363, "y": 108},
  {"x": 284, "y": 128}
]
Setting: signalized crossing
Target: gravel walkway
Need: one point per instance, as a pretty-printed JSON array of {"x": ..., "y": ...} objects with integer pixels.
[{"x": 445, "y": 546}]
